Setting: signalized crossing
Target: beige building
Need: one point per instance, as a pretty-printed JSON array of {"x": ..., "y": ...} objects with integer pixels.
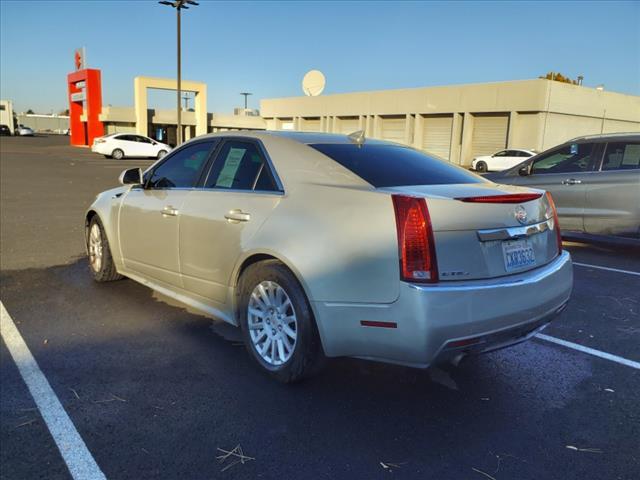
[
  {"x": 460, "y": 122},
  {"x": 161, "y": 123}
]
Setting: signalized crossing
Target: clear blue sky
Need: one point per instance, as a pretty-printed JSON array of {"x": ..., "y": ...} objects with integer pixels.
[{"x": 266, "y": 47}]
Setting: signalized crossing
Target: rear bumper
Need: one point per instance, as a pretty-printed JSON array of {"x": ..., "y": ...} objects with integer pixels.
[
  {"x": 445, "y": 321},
  {"x": 100, "y": 148}
]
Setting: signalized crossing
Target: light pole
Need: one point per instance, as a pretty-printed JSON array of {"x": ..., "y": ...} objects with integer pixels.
[
  {"x": 179, "y": 5},
  {"x": 246, "y": 95}
]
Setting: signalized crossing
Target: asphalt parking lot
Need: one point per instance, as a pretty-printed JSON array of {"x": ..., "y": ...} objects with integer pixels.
[{"x": 154, "y": 391}]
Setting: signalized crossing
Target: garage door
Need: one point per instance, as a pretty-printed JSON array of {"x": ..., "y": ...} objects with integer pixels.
[
  {"x": 392, "y": 128},
  {"x": 436, "y": 136},
  {"x": 310, "y": 124},
  {"x": 348, "y": 124},
  {"x": 489, "y": 134}
]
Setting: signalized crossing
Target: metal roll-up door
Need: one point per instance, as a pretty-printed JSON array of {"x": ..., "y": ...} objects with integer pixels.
[
  {"x": 489, "y": 134},
  {"x": 436, "y": 135},
  {"x": 310, "y": 125},
  {"x": 348, "y": 125},
  {"x": 392, "y": 128}
]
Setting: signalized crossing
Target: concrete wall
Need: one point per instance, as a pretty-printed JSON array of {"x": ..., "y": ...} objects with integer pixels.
[
  {"x": 535, "y": 114},
  {"x": 44, "y": 123},
  {"x": 120, "y": 119}
]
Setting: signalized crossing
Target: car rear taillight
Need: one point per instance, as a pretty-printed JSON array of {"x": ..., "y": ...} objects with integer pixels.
[
  {"x": 508, "y": 198},
  {"x": 415, "y": 240},
  {"x": 556, "y": 224}
]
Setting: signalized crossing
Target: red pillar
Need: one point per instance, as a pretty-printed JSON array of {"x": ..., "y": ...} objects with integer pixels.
[{"x": 85, "y": 99}]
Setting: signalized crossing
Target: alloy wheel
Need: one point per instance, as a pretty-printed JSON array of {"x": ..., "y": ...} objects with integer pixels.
[
  {"x": 272, "y": 323},
  {"x": 95, "y": 247}
]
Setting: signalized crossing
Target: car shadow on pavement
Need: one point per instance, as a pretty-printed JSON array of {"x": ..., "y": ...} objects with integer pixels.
[{"x": 154, "y": 390}]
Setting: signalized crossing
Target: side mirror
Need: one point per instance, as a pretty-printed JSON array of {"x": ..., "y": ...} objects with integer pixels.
[
  {"x": 524, "y": 170},
  {"x": 132, "y": 176}
]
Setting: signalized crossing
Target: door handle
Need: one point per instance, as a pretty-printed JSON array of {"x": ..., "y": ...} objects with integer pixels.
[
  {"x": 571, "y": 181},
  {"x": 236, "y": 215},
  {"x": 169, "y": 211}
]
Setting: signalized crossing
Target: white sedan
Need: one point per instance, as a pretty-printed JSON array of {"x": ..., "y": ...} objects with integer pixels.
[
  {"x": 501, "y": 160},
  {"x": 122, "y": 145},
  {"x": 326, "y": 245}
]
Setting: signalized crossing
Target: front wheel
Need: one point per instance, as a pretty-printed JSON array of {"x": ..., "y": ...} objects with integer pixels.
[
  {"x": 277, "y": 322},
  {"x": 481, "y": 167},
  {"x": 100, "y": 259},
  {"x": 161, "y": 154}
]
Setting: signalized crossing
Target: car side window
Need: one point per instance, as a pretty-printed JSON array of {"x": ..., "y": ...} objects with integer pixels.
[
  {"x": 503, "y": 153},
  {"x": 573, "y": 158},
  {"x": 142, "y": 139},
  {"x": 621, "y": 156},
  {"x": 240, "y": 165},
  {"x": 126, "y": 138},
  {"x": 181, "y": 169}
]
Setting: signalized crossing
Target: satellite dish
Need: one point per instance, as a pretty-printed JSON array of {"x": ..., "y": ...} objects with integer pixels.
[{"x": 313, "y": 83}]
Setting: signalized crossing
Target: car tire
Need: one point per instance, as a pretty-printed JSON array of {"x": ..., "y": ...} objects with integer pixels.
[
  {"x": 100, "y": 260},
  {"x": 286, "y": 358},
  {"x": 161, "y": 154},
  {"x": 117, "y": 154},
  {"x": 481, "y": 167}
]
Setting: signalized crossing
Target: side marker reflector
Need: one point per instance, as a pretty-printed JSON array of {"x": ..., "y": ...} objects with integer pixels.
[{"x": 371, "y": 323}]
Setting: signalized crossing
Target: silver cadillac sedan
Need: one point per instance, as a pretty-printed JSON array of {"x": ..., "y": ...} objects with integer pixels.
[{"x": 320, "y": 245}]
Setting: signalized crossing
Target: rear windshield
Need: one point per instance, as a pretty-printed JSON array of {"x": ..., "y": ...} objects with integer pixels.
[{"x": 395, "y": 166}]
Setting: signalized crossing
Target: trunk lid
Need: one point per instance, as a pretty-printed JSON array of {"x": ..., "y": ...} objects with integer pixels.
[{"x": 486, "y": 240}]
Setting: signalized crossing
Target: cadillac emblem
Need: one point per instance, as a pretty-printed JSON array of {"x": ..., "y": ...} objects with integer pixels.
[{"x": 521, "y": 214}]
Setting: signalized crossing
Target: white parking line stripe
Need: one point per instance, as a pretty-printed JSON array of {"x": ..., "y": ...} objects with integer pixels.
[
  {"x": 628, "y": 272},
  {"x": 590, "y": 351},
  {"x": 79, "y": 461}
]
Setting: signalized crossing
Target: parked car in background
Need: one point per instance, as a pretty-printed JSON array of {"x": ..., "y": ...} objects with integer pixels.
[
  {"x": 429, "y": 262},
  {"x": 123, "y": 145},
  {"x": 501, "y": 160},
  {"x": 5, "y": 131},
  {"x": 24, "y": 131},
  {"x": 594, "y": 180}
]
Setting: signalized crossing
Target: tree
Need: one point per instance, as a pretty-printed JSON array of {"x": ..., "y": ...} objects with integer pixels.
[
  {"x": 558, "y": 77},
  {"x": 29, "y": 112},
  {"x": 64, "y": 112}
]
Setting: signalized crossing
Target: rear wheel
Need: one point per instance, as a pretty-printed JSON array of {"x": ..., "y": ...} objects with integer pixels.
[
  {"x": 117, "y": 154},
  {"x": 481, "y": 167},
  {"x": 100, "y": 259},
  {"x": 277, "y": 323}
]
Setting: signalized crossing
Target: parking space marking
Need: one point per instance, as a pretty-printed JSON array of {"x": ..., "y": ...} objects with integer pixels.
[
  {"x": 590, "y": 351},
  {"x": 74, "y": 452},
  {"x": 599, "y": 267}
]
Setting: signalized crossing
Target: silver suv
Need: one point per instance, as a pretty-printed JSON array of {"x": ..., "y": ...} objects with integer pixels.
[{"x": 594, "y": 180}]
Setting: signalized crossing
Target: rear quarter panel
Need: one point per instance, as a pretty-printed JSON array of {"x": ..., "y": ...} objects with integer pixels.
[{"x": 341, "y": 241}]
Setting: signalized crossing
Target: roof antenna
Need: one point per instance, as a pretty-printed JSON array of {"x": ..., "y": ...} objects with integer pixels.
[{"x": 357, "y": 137}]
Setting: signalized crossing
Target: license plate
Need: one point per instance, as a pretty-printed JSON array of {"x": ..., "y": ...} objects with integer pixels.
[{"x": 517, "y": 254}]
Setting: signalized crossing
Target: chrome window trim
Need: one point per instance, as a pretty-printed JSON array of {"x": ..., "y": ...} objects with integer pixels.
[{"x": 510, "y": 233}]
